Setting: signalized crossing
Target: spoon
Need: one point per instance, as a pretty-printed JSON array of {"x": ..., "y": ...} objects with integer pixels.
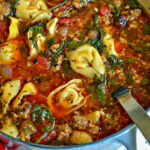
[{"x": 134, "y": 110}]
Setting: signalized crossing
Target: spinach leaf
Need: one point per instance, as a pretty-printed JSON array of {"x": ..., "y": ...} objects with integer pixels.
[
  {"x": 145, "y": 81},
  {"x": 129, "y": 60},
  {"x": 49, "y": 42},
  {"x": 13, "y": 4},
  {"x": 134, "y": 4},
  {"x": 99, "y": 93},
  {"x": 41, "y": 113},
  {"x": 82, "y": 1},
  {"x": 36, "y": 30},
  {"x": 113, "y": 62},
  {"x": 96, "y": 89},
  {"x": 59, "y": 50},
  {"x": 116, "y": 9},
  {"x": 98, "y": 27},
  {"x": 129, "y": 77},
  {"x": 66, "y": 68},
  {"x": 146, "y": 28},
  {"x": 100, "y": 80},
  {"x": 141, "y": 50},
  {"x": 13, "y": 7},
  {"x": 112, "y": 81},
  {"x": 93, "y": 42}
]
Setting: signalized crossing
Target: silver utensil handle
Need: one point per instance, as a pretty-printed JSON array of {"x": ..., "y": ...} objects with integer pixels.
[{"x": 136, "y": 113}]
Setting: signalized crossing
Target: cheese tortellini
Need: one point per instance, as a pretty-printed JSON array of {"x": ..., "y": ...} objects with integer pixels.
[
  {"x": 67, "y": 98},
  {"x": 86, "y": 61},
  {"x": 40, "y": 40},
  {"x": 108, "y": 41},
  {"x": 9, "y": 128},
  {"x": 37, "y": 9},
  {"x": 51, "y": 26},
  {"x": 28, "y": 89},
  {"x": 9, "y": 52},
  {"x": 9, "y": 90},
  {"x": 13, "y": 28}
]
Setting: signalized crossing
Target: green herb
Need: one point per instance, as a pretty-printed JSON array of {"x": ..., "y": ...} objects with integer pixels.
[
  {"x": 96, "y": 19},
  {"x": 41, "y": 113},
  {"x": 144, "y": 81},
  {"x": 112, "y": 81},
  {"x": 129, "y": 77},
  {"x": 49, "y": 42},
  {"x": 100, "y": 80},
  {"x": 63, "y": 45},
  {"x": 100, "y": 93},
  {"x": 23, "y": 52},
  {"x": 82, "y": 2},
  {"x": 17, "y": 123},
  {"x": 129, "y": 60},
  {"x": 141, "y": 50},
  {"x": 116, "y": 11},
  {"x": 137, "y": 49},
  {"x": 96, "y": 89},
  {"x": 98, "y": 27},
  {"x": 146, "y": 28},
  {"x": 66, "y": 67},
  {"x": 36, "y": 30},
  {"x": 13, "y": 4},
  {"x": 42, "y": 24},
  {"x": 134, "y": 4},
  {"x": 13, "y": 7},
  {"x": 113, "y": 62}
]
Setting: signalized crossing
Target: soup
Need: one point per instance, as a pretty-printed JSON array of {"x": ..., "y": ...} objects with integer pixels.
[{"x": 60, "y": 61}]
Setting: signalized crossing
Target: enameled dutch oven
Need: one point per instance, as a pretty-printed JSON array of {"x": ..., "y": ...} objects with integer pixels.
[{"x": 123, "y": 136}]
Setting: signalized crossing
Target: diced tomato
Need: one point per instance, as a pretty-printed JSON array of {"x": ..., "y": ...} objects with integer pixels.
[
  {"x": 51, "y": 136},
  {"x": 66, "y": 20},
  {"x": 2, "y": 147},
  {"x": 42, "y": 64},
  {"x": 119, "y": 46},
  {"x": 3, "y": 29},
  {"x": 104, "y": 11},
  {"x": 37, "y": 99},
  {"x": 3, "y": 26}
]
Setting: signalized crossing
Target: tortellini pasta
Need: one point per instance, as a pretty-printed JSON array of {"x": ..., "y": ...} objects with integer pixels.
[
  {"x": 10, "y": 90},
  {"x": 37, "y": 9},
  {"x": 40, "y": 40},
  {"x": 80, "y": 137},
  {"x": 9, "y": 128},
  {"x": 13, "y": 29},
  {"x": 109, "y": 42},
  {"x": 51, "y": 26},
  {"x": 94, "y": 116},
  {"x": 67, "y": 98},
  {"x": 10, "y": 52},
  {"x": 28, "y": 89},
  {"x": 86, "y": 61}
]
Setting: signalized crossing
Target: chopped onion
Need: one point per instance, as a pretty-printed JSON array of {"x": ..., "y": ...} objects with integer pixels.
[
  {"x": 6, "y": 70},
  {"x": 64, "y": 31}
]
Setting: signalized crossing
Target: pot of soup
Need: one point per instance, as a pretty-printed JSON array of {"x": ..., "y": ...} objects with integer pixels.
[{"x": 60, "y": 61}]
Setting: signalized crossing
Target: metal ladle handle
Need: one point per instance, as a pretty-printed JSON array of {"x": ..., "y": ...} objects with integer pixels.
[{"x": 134, "y": 110}]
